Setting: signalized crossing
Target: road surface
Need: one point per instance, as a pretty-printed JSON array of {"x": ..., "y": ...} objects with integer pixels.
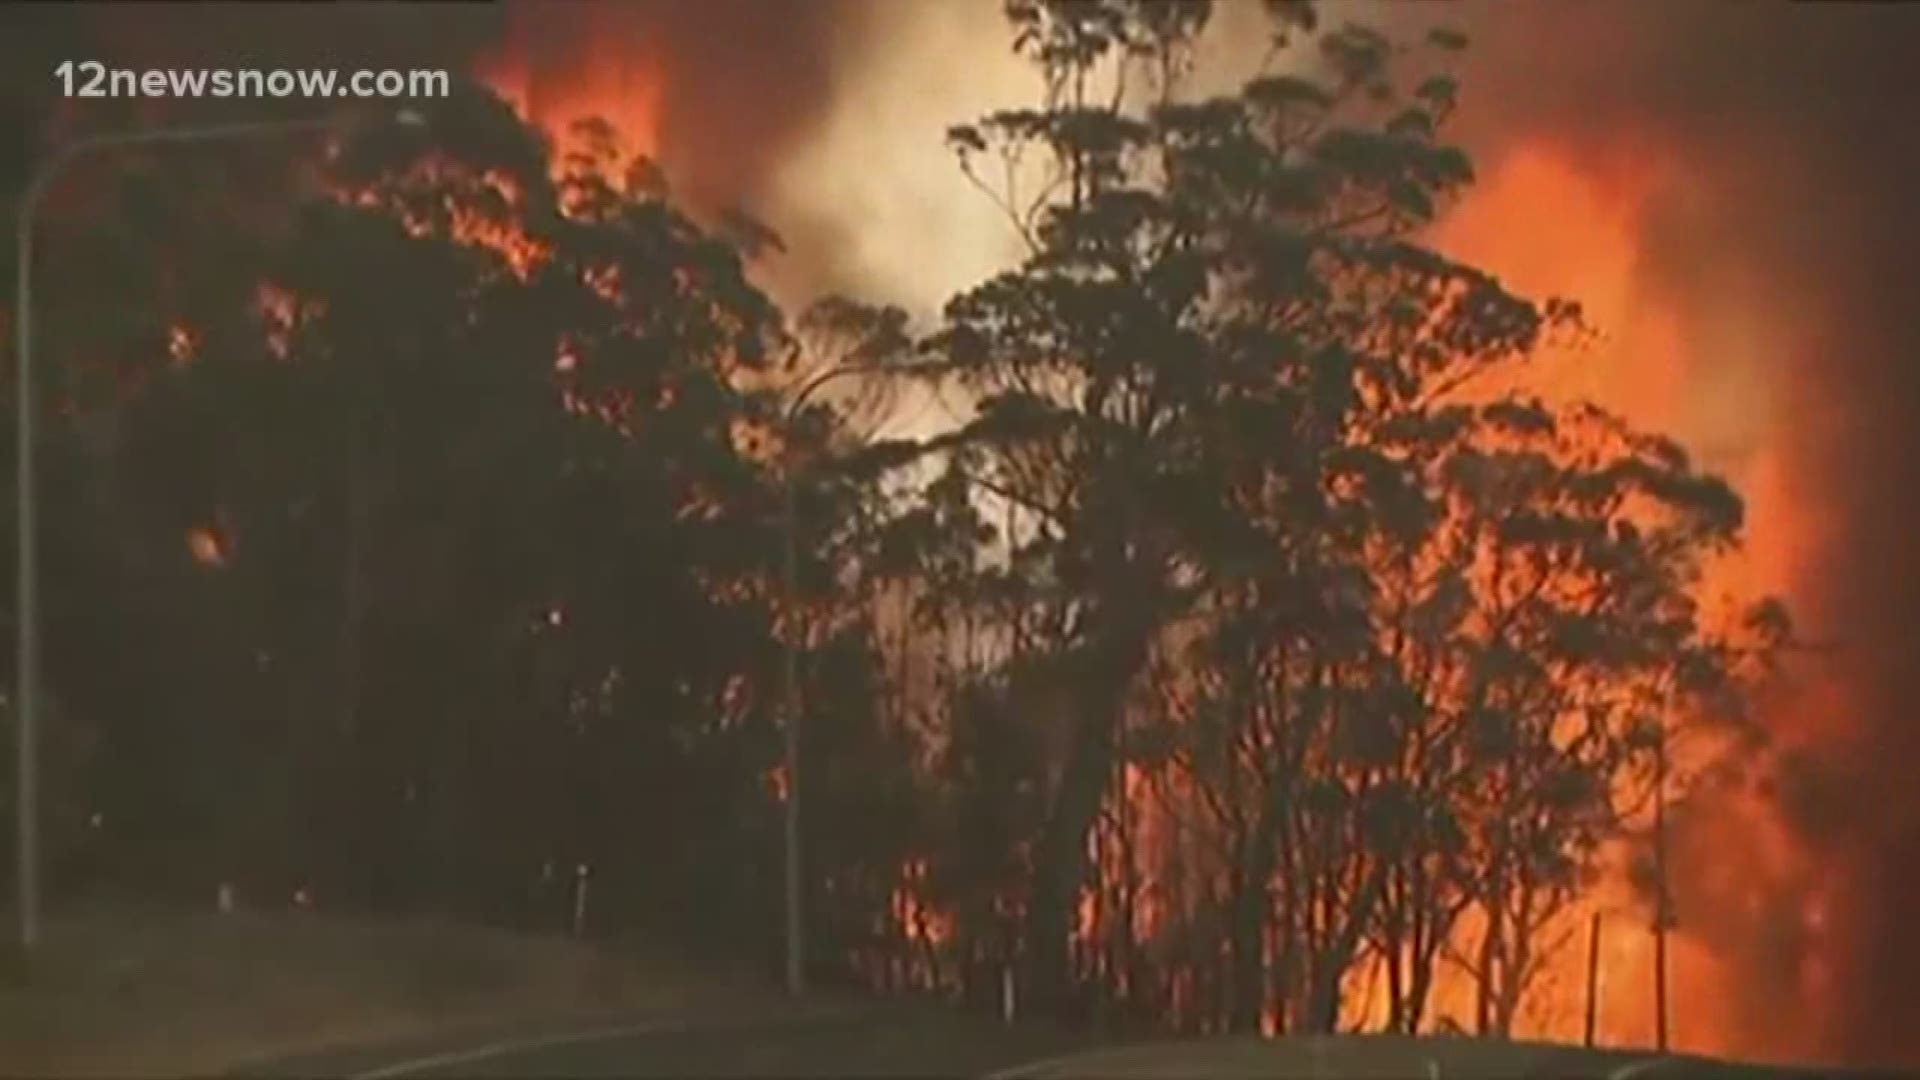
[
  {"x": 920, "y": 1042},
  {"x": 870, "y": 1041}
]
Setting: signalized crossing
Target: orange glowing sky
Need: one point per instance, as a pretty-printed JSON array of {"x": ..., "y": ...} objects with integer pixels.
[{"x": 1547, "y": 228}]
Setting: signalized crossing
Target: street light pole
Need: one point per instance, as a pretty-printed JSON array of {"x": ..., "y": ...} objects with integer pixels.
[
  {"x": 27, "y": 606},
  {"x": 790, "y": 733},
  {"x": 790, "y": 728}
]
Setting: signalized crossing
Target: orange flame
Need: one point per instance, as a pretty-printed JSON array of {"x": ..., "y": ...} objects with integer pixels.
[
  {"x": 1549, "y": 227},
  {"x": 607, "y": 78}
]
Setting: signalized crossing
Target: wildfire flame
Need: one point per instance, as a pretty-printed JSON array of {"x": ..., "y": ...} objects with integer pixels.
[
  {"x": 597, "y": 77},
  {"x": 1551, "y": 227}
]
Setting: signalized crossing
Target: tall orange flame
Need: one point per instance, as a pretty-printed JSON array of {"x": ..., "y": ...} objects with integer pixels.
[{"x": 1550, "y": 227}]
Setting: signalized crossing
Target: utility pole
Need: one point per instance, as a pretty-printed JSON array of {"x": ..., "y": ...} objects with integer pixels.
[
  {"x": 1663, "y": 897},
  {"x": 1593, "y": 979},
  {"x": 581, "y": 875}
]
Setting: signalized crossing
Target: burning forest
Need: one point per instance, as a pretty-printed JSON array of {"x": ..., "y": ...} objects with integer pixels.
[{"x": 1166, "y": 518}]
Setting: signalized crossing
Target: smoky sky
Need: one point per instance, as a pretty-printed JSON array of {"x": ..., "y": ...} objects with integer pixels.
[
  {"x": 741, "y": 82},
  {"x": 1798, "y": 129}
]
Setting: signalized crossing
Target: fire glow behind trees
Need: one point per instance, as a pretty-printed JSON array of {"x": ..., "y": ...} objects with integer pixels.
[{"x": 1261, "y": 631}]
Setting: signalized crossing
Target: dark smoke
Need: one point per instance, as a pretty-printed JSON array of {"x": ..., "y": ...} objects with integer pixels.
[{"x": 1797, "y": 127}]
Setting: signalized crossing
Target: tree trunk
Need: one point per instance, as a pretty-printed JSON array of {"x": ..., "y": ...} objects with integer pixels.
[
  {"x": 353, "y": 583},
  {"x": 1490, "y": 953},
  {"x": 1250, "y": 910},
  {"x": 1129, "y": 961},
  {"x": 1426, "y": 937},
  {"x": 1248, "y": 979},
  {"x": 1061, "y": 868},
  {"x": 1514, "y": 974},
  {"x": 1394, "y": 947},
  {"x": 1330, "y": 967},
  {"x": 342, "y": 817}
]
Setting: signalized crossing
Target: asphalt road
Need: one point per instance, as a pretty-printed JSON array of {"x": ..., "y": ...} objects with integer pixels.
[
  {"x": 1376, "y": 1057},
  {"x": 1379, "y": 1057},
  {"x": 883, "y": 1041},
  {"x": 919, "y": 1042}
]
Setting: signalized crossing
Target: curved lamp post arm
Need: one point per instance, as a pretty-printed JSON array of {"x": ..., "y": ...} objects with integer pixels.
[
  {"x": 822, "y": 378},
  {"x": 26, "y": 607}
]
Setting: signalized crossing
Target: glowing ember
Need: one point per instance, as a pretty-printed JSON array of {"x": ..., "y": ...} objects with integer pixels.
[
  {"x": 182, "y": 342},
  {"x": 206, "y": 546}
]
